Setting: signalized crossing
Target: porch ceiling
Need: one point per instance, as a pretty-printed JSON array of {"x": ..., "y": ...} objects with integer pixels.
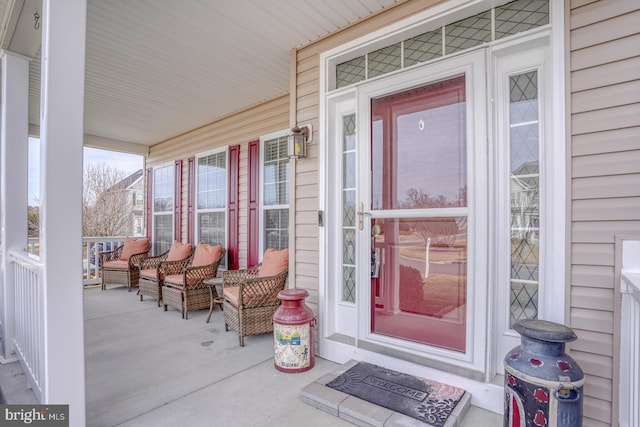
[{"x": 159, "y": 68}]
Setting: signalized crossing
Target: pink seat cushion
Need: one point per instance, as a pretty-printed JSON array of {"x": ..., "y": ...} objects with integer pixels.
[
  {"x": 117, "y": 264},
  {"x": 178, "y": 251},
  {"x": 134, "y": 246},
  {"x": 150, "y": 273},
  {"x": 274, "y": 262},
  {"x": 251, "y": 295},
  {"x": 206, "y": 254},
  {"x": 175, "y": 279}
]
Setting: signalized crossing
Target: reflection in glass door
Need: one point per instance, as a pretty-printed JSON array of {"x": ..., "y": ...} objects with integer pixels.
[{"x": 419, "y": 215}]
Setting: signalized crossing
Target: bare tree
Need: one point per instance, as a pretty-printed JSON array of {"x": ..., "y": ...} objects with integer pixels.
[
  {"x": 106, "y": 205},
  {"x": 33, "y": 221}
]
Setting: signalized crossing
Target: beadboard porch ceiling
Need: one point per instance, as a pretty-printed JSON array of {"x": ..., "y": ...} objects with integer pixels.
[{"x": 159, "y": 68}]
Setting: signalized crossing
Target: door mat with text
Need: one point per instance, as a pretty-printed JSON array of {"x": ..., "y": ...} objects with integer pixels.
[{"x": 428, "y": 401}]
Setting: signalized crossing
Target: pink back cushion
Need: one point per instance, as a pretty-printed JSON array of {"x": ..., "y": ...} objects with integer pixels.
[
  {"x": 274, "y": 262},
  {"x": 206, "y": 254},
  {"x": 134, "y": 246},
  {"x": 178, "y": 251}
]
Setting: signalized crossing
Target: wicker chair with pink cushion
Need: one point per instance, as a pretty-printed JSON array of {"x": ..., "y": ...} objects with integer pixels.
[
  {"x": 151, "y": 279},
  {"x": 120, "y": 266},
  {"x": 184, "y": 286},
  {"x": 251, "y": 295}
]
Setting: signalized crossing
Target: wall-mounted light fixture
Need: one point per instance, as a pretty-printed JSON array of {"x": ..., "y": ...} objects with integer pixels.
[{"x": 298, "y": 140}]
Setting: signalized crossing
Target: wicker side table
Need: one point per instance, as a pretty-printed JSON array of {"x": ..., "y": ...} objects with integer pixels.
[{"x": 214, "y": 284}]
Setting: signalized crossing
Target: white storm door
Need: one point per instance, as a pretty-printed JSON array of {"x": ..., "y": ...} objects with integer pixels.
[{"x": 422, "y": 202}]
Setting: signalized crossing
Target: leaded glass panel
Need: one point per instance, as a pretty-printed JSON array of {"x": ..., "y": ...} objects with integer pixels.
[
  {"x": 519, "y": 16},
  {"x": 525, "y": 195},
  {"x": 468, "y": 32},
  {"x": 349, "y": 246},
  {"x": 348, "y": 207},
  {"x": 349, "y": 72},
  {"x": 512, "y": 18},
  {"x": 384, "y": 61},
  {"x": 422, "y": 48},
  {"x": 524, "y": 301},
  {"x": 349, "y": 284},
  {"x": 349, "y": 171},
  {"x": 349, "y": 124}
]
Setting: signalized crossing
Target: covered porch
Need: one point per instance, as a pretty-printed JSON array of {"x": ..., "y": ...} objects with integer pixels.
[{"x": 145, "y": 366}]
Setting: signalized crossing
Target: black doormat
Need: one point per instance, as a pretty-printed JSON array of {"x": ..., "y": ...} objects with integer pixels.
[{"x": 428, "y": 401}]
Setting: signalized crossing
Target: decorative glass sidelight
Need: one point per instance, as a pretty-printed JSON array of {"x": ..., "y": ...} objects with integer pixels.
[
  {"x": 349, "y": 208},
  {"x": 525, "y": 195}
]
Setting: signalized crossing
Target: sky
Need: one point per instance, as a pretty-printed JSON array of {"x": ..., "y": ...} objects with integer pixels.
[{"x": 128, "y": 163}]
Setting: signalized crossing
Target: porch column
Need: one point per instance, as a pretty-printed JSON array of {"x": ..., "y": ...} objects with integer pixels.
[
  {"x": 61, "y": 139},
  {"x": 13, "y": 182}
]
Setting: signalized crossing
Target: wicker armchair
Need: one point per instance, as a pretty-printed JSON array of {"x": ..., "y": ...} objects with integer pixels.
[
  {"x": 250, "y": 301},
  {"x": 151, "y": 276},
  {"x": 184, "y": 286},
  {"x": 119, "y": 271}
]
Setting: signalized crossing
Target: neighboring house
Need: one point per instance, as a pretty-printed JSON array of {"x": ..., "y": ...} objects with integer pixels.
[
  {"x": 521, "y": 123},
  {"x": 134, "y": 186}
]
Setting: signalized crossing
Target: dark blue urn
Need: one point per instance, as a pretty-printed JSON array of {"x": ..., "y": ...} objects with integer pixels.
[{"x": 543, "y": 385}]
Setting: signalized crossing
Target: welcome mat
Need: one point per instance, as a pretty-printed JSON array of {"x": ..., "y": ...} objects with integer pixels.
[{"x": 428, "y": 401}]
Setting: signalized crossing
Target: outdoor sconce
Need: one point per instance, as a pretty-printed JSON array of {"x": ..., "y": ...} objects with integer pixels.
[{"x": 297, "y": 141}]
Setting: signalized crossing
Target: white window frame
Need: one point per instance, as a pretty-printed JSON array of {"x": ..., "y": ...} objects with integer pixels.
[
  {"x": 225, "y": 208},
  {"x": 263, "y": 140},
  {"x": 155, "y": 214},
  {"x": 341, "y": 348}
]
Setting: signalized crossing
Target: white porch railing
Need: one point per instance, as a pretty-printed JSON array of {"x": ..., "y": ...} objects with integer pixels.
[
  {"x": 90, "y": 261},
  {"x": 29, "y": 321},
  {"x": 630, "y": 349},
  {"x": 28, "y": 293}
]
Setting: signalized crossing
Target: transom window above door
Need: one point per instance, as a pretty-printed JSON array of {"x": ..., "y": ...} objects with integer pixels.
[{"x": 418, "y": 46}]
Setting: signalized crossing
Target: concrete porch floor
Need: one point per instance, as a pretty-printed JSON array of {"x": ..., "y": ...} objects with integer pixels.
[{"x": 147, "y": 367}]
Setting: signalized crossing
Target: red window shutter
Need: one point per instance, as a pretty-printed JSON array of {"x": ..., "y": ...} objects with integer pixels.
[
  {"x": 233, "y": 208},
  {"x": 191, "y": 197},
  {"x": 177, "y": 202},
  {"x": 253, "y": 240},
  {"x": 149, "y": 202}
]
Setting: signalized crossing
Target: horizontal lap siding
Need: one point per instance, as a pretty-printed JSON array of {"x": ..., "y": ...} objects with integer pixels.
[
  {"x": 236, "y": 129},
  {"x": 605, "y": 182}
]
